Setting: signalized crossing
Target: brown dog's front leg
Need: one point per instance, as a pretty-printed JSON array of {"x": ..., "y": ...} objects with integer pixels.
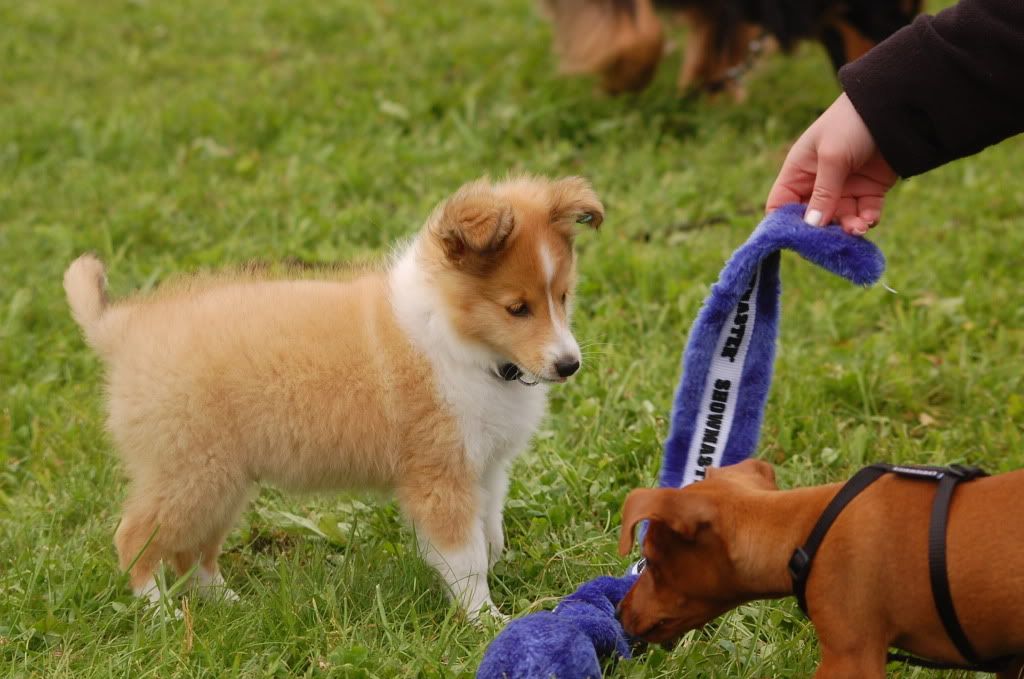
[{"x": 851, "y": 663}]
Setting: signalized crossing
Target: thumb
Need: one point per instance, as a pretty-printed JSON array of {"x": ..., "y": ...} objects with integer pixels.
[{"x": 828, "y": 189}]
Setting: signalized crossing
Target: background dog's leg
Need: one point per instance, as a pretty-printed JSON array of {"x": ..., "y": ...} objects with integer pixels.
[
  {"x": 622, "y": 42},
  {"x": 695, "y": 68},
  {"x": 495, "y": 489},
  {"x": 445, "y": 510}
]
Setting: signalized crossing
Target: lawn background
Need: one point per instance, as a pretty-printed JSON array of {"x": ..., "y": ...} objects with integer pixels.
[{"x": 193, "y": 134}]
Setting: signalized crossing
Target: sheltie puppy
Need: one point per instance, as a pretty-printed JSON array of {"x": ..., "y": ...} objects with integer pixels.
[
  {"x": 622, "y": 41},
  {"x": 424, "y": 379}
]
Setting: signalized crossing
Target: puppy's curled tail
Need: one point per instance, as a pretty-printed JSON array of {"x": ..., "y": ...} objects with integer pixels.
[{"x": 85, "y": 283}]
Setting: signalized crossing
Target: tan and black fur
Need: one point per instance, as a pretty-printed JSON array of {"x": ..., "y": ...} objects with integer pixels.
[{"x": 622, "y": 41}]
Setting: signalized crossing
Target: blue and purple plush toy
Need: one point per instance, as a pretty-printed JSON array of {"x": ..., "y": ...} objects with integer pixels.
[{"x": 716, "y": 421}]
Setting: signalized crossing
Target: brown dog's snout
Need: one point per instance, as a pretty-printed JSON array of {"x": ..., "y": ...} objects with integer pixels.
[{"x": 623, "y": 613}]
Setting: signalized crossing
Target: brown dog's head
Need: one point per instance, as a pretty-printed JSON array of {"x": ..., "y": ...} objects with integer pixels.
[{"x": 691, "y": 575}]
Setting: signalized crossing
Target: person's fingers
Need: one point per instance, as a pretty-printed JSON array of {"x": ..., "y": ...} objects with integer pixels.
[
  {"x": 853, "y": 225},
  {"x": 796, "y": 178},
  {"x": 859, "y": 185},
  {"x": 847, "y": 205},
  {"x": 869, "y": 208},
  {"x": 781, "y": 194},
  {"x": 847, "y": 216},
  {"x": 833, "y": 170}
]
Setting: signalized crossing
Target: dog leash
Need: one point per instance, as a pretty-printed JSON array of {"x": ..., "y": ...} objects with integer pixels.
[{"x": 947, "y": 478}]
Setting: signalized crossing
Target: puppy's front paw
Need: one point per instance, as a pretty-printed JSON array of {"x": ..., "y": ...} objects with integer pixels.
[{"x": 488, "y": 613}]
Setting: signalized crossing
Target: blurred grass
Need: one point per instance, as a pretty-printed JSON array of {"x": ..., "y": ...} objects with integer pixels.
[{"x": 177, "y": 136}]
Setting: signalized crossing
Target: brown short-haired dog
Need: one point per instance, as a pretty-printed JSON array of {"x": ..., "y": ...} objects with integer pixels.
[
  {"x": 728, "y": 540},
  {"x": 621, "y": 41},
  {"x": 425, "y": 378}
]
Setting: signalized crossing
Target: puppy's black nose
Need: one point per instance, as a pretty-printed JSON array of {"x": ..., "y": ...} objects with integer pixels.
[{"x": 566, "y": 367}]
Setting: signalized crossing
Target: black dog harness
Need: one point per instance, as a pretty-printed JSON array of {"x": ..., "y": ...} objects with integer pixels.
[{"x": 947, "y": 478}]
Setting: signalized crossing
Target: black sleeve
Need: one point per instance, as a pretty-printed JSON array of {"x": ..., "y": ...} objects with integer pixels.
[{"x": 944, "y": 87}]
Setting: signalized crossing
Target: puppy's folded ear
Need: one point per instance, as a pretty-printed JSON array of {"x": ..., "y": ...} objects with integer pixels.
[
  {"x": 473, "y": 221},
  {"x": 574, "y": 202},
  {"x": 685, "y": 513}
]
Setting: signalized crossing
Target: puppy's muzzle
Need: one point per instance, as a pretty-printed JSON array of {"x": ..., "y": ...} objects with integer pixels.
[{"x": 567, "y": 366}]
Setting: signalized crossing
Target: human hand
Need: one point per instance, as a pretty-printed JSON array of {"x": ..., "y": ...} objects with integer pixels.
[{"x": 836, "y": 168}]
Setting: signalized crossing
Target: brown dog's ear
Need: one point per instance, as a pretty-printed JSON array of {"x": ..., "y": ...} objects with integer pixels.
[
  {"x": 574, "y": 202},
  {"x": 683, "y": 512},
  {"x": 472, "y": 221},
  {"x": 760, "y": 473},
  {"x": 766, "y": 471}
]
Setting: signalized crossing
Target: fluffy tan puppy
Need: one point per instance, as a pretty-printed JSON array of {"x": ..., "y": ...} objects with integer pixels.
[{"x": 425, "y": 378}]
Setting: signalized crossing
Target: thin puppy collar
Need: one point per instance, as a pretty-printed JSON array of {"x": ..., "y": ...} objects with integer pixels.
[{"x": 510, "y": 372}]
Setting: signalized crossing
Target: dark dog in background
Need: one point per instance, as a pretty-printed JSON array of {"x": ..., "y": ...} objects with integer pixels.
[{"x": 622, "y": 41}]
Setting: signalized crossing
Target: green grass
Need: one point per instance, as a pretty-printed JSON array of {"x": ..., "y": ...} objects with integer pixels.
[{"x": 200, "y": 133}]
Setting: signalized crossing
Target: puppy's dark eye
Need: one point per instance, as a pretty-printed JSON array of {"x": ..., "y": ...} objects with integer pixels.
[
  {"x": 519, "y": 309},
  {"x": 565, "y": 296}
]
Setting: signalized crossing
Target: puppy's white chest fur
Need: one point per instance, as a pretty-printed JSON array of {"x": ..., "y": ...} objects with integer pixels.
[{"x": 496, "y": 418}]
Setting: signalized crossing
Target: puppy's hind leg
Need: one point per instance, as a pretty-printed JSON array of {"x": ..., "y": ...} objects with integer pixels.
[
  {"x": 211, "y": 581},
  {"x": 445, "y": 512},
  {"x": 207, "y": 581},
  {"x": 181, "y": 519},
  {"x": 139, "y": 548}
]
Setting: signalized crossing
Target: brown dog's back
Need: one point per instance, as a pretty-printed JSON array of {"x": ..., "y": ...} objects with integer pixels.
[{"x": 872, "y": 569}]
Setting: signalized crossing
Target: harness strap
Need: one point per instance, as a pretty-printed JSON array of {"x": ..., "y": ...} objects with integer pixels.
[
  {"x": 947, "y": 478},
  {"x": 937, "y": 559},
  {"x": 803, "y": 557}
]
